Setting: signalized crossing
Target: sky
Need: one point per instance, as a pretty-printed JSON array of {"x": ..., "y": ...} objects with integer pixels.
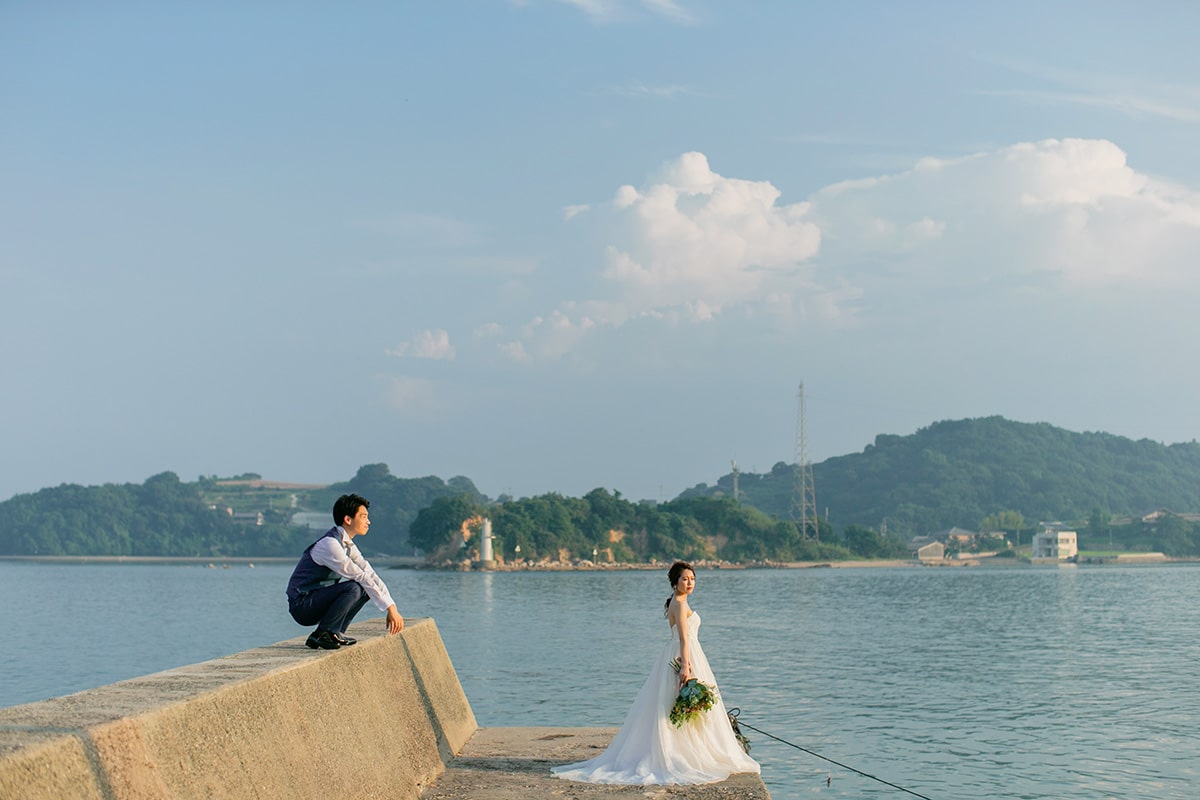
[{"x": 556, "y": 245}]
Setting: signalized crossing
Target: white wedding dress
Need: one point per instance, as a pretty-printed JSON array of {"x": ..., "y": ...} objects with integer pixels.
[{"x": 650, "y": 750}]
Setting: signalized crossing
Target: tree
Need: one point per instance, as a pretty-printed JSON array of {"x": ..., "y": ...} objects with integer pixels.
[
  {"x": 959, "y": 470},
  {"x": 1100, "y": 525},
  {"x": 868, "y": 543},
  {"x": 436, "y": 524}
]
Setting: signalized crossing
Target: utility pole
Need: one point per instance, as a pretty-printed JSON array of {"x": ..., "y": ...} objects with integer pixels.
[{"x": 804, "y": 496}]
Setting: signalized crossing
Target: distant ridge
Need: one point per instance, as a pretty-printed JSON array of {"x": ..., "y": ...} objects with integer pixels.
[
  {"x": 259, "y": 483},
  {"x": 950, "y": 474},
  {"x": 958, "y": 472}
]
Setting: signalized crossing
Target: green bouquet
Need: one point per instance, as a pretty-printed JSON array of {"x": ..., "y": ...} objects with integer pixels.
[{"x": 694, "y": 699}]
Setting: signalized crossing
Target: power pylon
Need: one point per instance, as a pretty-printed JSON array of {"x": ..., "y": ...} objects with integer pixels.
[{"x": 804, "y": 495}]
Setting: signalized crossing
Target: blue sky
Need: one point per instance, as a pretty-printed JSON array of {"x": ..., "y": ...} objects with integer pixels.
[{"x": 554, "y": 246}]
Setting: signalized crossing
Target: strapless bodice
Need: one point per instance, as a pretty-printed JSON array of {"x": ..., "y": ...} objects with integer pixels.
[{"x": 693, "y": 624}]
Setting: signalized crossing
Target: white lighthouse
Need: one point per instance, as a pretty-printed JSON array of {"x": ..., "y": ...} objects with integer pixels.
[{"x": 486, "y": 559}]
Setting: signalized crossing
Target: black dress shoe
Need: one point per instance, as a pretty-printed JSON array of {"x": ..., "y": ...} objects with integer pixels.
[
  {"x": 344, "y": 640},
  {"x": 326, "y": 640}
]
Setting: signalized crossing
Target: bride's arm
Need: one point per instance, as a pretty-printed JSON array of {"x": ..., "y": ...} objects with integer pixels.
[{"x": 681, "y": 624}]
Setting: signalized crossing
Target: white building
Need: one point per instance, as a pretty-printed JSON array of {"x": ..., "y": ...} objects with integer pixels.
[{"x": 1055, "y": 544}]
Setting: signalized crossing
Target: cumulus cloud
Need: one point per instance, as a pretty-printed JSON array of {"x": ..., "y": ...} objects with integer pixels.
[
  {"x": 550, "y": 337},
  {"x": 694, "y": 237},
  {"x": 690, "y": 246},
  {"x": 426, "y": 344},
  {"x": 1072, "y": 210},
  {"x": 686, "y": 245},
  {"x": 489, "y": 330},
  {"x": 515, "y": 351}
]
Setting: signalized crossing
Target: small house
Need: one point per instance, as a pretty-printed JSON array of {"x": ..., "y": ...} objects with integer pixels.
[
  {"x": 931, "y": 551},
  {"x": 1052, "y": 544}
]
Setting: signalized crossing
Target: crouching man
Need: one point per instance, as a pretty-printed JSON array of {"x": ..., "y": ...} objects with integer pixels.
[{"x": 316, "y": 593}]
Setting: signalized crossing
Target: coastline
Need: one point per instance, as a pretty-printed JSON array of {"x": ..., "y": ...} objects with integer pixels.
[
  {"x": 589, "y": 566},
  {"x": 200, "y": 560},
  {"x": 412, "y": 562}
]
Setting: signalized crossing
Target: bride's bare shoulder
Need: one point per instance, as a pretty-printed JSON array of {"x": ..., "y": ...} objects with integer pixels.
[{"x": 678, "y": 609}]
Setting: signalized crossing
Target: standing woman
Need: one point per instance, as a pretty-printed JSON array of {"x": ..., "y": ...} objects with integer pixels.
[{"x": 649, "y": 749}]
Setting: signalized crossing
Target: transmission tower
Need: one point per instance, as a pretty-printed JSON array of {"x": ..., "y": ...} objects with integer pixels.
[
  {"x": 736, "y": 472},
  {"x": 804, "y": 496}
]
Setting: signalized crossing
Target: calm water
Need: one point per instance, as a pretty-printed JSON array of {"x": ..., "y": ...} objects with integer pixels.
[{"x": 955, "y": 683}]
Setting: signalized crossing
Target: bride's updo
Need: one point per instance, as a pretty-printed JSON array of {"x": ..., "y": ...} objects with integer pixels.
[{"x": 673, "y": 575}]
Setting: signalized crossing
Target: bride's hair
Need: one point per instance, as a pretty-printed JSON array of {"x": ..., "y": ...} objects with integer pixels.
[{"x": 673, "y": 575}]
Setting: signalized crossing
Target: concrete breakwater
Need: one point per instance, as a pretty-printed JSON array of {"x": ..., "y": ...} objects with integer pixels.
[
  {"x": 386, "y": 719},
  {"x": 379, "y": 719}
]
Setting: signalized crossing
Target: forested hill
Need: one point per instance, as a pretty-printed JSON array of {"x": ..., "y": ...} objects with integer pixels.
[
  {"x": 949, "y": 474},
  {"x": 242, "y": 516},
  {"x": 959, "y": 472}
]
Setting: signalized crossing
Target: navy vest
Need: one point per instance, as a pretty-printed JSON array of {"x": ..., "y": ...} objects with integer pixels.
[{"x": 308, "y": 574}]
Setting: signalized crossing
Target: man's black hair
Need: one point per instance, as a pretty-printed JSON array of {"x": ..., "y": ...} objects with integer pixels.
[{"x": 347, "y": 506}]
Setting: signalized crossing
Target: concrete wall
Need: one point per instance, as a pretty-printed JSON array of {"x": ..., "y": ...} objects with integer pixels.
[{"x": 379, "y": 719}]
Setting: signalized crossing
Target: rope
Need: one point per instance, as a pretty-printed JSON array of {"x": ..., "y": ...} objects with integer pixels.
[{"x": 734, "y": 712}]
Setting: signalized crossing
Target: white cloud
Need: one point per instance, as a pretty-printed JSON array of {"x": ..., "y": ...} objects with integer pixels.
[
  {"x": 1122, "y": 94},
  {"x": 1070, "y": 209},
  {"x": 433, "y": 345},
  {"x": 639, "y": 89},
  {"x": 571, "y": 212},
  {"x": 553, "y": 336},
  {"x": 596, "y": 9},
  {"x": 695, "y": 236},
  {"x": 489, "y": 330},
  {"x": 690, "y": 246},
  {"x": 1130, "y": 105},
  {"x": 515, "y": 350},
  {"x": 686, "y": 246},
  {"x": 600, "y": 11},
  {"x": 610, "y": 11},
  {"x": 671, "y": 10}
]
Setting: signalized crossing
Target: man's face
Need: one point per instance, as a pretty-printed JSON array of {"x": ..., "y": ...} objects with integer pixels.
[{"x": 358, "y": 524}]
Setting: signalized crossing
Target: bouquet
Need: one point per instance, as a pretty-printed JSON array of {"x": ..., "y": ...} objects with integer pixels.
[{"x": 694, "y": 699}]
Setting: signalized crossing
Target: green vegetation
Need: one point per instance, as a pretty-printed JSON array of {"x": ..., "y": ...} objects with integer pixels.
[
  {"x": 395, "y": 503},
  {"x": 161, "y": 517},
  {"x": 984, "y": 473},
  {"x": 989, "y": 475},
  {"x": 604, "y": 525},
  {"x": 167, "y": 517}
]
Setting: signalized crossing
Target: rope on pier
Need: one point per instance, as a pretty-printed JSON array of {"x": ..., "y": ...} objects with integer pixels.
[{"x": 734, "y": 712}]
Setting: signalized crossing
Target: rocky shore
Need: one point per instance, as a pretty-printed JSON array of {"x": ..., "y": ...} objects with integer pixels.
[{"x": 584, "y": 565}]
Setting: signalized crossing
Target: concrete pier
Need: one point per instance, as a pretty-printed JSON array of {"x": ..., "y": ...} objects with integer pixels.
[
  {"x": 514, "y": 764},
  {"x": 272, "y": 723}
]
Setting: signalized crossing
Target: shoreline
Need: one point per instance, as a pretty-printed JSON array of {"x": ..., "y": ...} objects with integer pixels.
[{"x": 412, "y": 562}]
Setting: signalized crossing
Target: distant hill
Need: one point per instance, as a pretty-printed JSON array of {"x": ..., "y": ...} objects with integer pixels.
[
  {"x": 958, "y": 472},
  {"x": 242, "y": 516},
  {"x": 952, "y": 473}
]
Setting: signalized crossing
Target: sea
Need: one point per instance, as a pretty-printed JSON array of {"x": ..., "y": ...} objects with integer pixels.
[{"x": 880, "y": 682}]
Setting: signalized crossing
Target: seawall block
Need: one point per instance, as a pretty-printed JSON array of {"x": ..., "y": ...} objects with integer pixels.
[{"x": 379, "y": 719}]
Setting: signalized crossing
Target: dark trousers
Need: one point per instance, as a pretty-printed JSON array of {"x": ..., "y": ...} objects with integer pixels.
[{"x": 330, "y": 608}]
